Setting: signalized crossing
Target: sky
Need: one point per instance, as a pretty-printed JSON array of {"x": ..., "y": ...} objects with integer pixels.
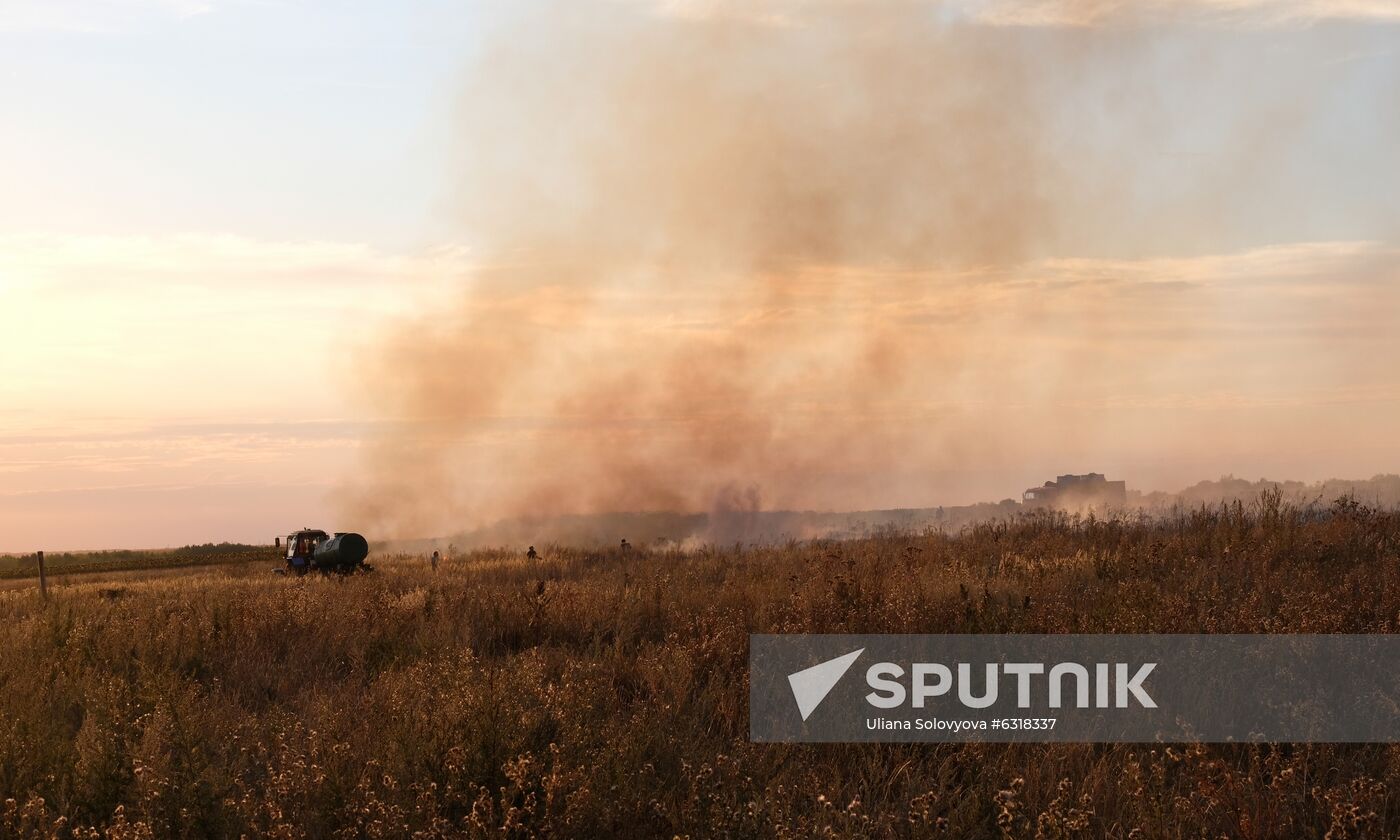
[{"x": 236, "y": 237}]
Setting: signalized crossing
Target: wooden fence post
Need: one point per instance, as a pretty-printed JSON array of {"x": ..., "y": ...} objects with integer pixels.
[{"x": 43, "y": 581}]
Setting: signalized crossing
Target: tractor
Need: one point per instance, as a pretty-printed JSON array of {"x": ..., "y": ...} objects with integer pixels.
[{"x": 310, "y": 550}]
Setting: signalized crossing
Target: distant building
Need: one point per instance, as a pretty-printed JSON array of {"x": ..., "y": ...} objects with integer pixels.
[{"x": 1077, "y": 492}]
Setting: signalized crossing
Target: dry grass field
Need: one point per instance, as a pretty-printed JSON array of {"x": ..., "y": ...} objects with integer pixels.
[
  {"x": 18, "y": 570},
  {"x": 596, "y": 693}
]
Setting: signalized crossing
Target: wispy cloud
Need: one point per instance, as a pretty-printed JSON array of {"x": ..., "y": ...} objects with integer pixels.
[
  {"x": 1060, "y": 13},
  {"x": 1319, "y": 261},
  {"x": 210, "y": 259},
  {"x": 1212, "y": 12},
  {"x": 308, "y": 432}
]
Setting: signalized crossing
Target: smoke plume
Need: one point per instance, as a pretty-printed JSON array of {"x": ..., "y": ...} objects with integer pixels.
[{"x": 727, "y": 261}]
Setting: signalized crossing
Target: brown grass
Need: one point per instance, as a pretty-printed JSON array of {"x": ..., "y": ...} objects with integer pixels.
[
  {"x": 602, "y": 694},
  {"x": 19, "y": 567}
]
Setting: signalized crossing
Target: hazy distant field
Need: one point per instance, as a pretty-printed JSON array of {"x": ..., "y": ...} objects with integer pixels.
[
  {"x": 18, "y": 570},
  {"x": 596, "y": 693}
]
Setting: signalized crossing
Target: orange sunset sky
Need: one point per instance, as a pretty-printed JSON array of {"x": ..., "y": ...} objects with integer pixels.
[{"x": 410, "y": 267}]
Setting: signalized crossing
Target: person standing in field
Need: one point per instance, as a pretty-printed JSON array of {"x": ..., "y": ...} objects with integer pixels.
[
  {"x": 435, "y": 561},
  {"x": 532, "y": 554}
]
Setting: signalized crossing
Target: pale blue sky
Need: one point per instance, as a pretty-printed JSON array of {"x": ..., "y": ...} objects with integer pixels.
[
  {"x": 273, "y": 119},
  {"x": 297, "y": 119},
  {"x": 201, "y": 199}
]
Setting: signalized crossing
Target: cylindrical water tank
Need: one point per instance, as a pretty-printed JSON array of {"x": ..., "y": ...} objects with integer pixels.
[{"x": 342, "y": 550}]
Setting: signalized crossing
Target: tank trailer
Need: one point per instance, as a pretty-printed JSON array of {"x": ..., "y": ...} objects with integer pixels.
[{"x": 310, "y": 550}]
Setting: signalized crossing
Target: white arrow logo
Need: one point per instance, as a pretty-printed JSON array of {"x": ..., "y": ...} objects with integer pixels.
[{"x": 811, "y": 686}]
